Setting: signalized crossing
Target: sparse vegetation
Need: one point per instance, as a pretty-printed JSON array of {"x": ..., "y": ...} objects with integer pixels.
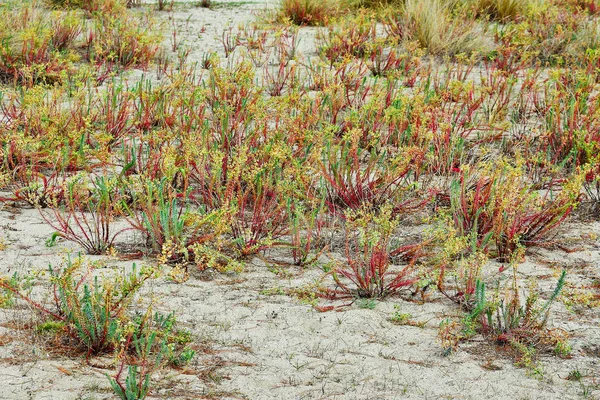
[
  {"x": 435, "y": 152},
  {"x": 96, "y": 317}
]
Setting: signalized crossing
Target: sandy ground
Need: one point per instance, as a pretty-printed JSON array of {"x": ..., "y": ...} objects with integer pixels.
[{"x": 255, "y": 342}]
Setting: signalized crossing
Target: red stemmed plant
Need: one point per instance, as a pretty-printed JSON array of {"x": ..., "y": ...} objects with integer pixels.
[{"x": 367, "y": 271}]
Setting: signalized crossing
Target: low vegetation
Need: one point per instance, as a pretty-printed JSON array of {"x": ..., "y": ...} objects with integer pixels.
[{"x": 474, "y": 120}]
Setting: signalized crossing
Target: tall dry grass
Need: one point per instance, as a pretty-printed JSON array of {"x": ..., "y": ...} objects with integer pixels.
[
  {"x": 309, "y": 12},
  {"x": 501, "y": 10},
  {"x": 432, "y": 25}
]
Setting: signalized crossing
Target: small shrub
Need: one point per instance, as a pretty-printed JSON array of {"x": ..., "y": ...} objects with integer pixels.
[
  {"x": 92, "y": 313},
  {"x": 502, "y": 208},
  {"x": 378, "y": 179},
  {"x": 368, "y": 265},
  {"x": 123, "y": 40},
  {"x": 95, "y": 316},
  {"x": 36, "y": 46},
  {"x": 87, "y": 216},
  {"x": 349, "y": 37},
  {"x": 153, "y": 342},
  {"x": 95, "y": 6},
  {"x": 572, "y": 135},
  {"x": 385, "y": 61},
  {"x": 40, "y": 191},
  {"x": 155, "y": 210},
  {"x": 306, "y": 224},
  {"x": 592, "y": 6},
  {"x": 178, "y": 234},
  {"x": 509, "y": 322},
  {"x": 136, "y": 386},
  {"x": 284, "y": 78},
  {"x": 520, "y": 325},
  {"x": 592, "y": 183},
  {"x": 550, "y": 33}
]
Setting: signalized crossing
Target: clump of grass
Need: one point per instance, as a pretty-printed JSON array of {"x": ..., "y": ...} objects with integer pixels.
[
  {"x": 151, "y": 342},
  {"x": 432, "y": 25},
  {"x": 173, "y": 231},
  {"x": 308, "y": 12},
  {"x": 502, "y": 10}
]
